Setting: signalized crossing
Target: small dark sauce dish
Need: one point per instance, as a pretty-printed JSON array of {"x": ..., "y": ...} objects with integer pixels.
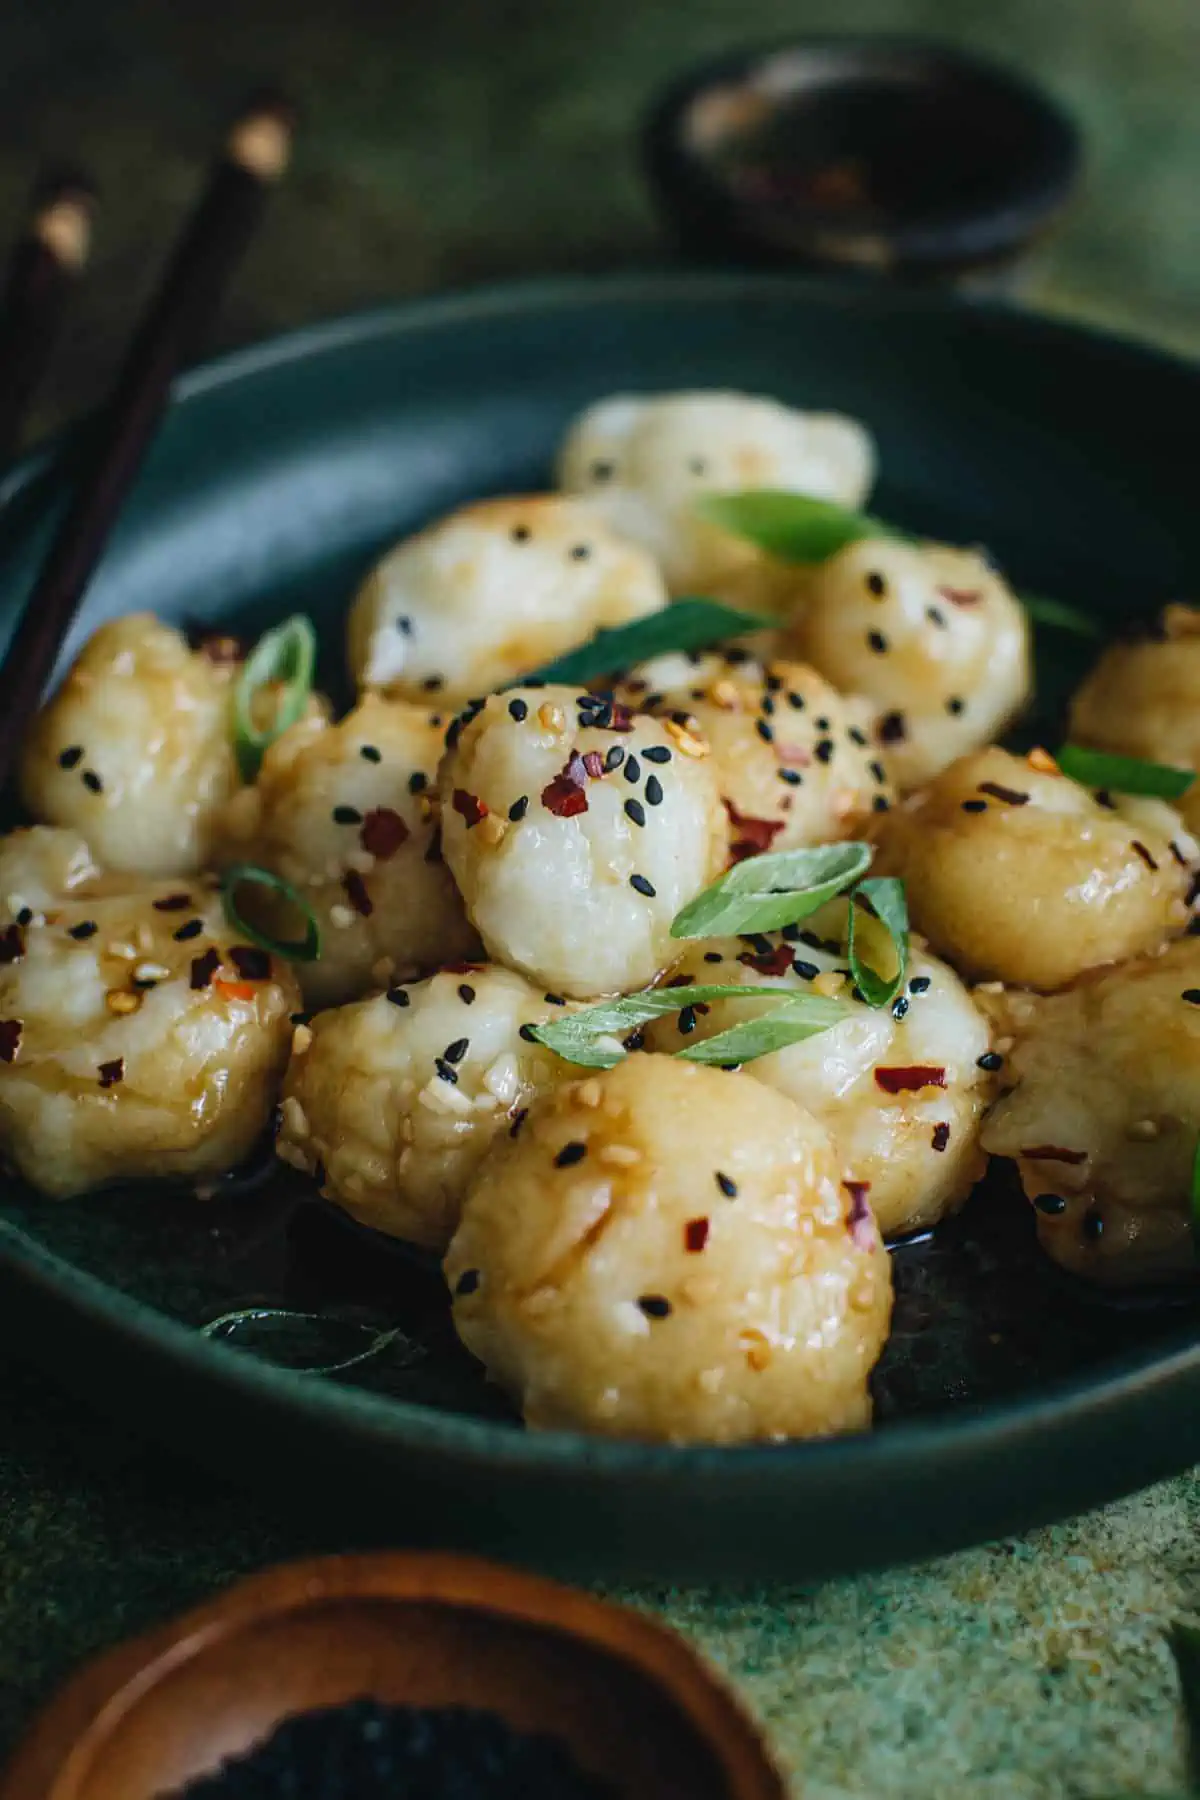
[{"x": 882, "y": 155}]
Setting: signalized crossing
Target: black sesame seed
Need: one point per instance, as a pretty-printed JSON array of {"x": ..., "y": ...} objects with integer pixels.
[
  {"x": 920, "y": 984},
  {"x": 554, "y": 999},
  {"x": 687, "y": 1020},
  {"x": 528, "y": 1033},
  {"x": 796, "y": 700},
  {"x": 654, "y": 1306},
  {"x": 955, "y": 706},
  {"x": 417, "y": 782},
  {"x": 92, "y": 781},
  {"x": 654, "y": 791},
  {"x": 636, "y": 811},
  {"x": 633, "y": 769},
  {"x": 878, "y": 772},
  {"x": 764, "y": 731},
  {"x": 768, "y": 705},
  {"x": 603, "y": 471},
  {"x": 1050, "y": 1203},
  {"x": 807, "y": 971},
  {"x": 641, "y": 886},
  {"x": 892, "y": 728},
  {"x": 1102, "y": 797},
  {"x": 1093, "y": 1226},
  {"x": 347, "y": 815},
  {"x": 70, "y": 757},
  {"x": 192, "y": 929},
  {"x": 613, "y": 758},
  {"x": 432, "y": 683},
  {"x": 713, "y": 956},
  {"x": 455, "y": 1052},
  {"x": 445, "y": 1071},
  {"x": 899, "y": 1007},
  {"x": 1145, "y": 855},
  {"x": 824, "y": 750},
  {"x": 697, "y": 465},
  {"x": 974, "y": 806},
  {"x": 791, "y": 776},
  {"x": 405, "y": 626},
  {"x": 521, "y": 534},
  {"x": 990, "y": 1061},
  {"x": 1191, "y": 995},
  {"x": 518, "y": 809},
  {"x": 774, "y": 682},
  {"x": 656, "y": 753},
  {"x": 467, "y": 1283},
  {"x": 580, "y": 552},
  {"x": 876, "y": 584},
  {"x": 570, "y": 1154},
  {"x": 466, "y": 993},
  {"x": 518, "y": 710},
  {"x": 822, "y": 724},
  {"x": 941, "y": 1136},
  {"x": 877, "y": 642},
  {"x": 880, "y": 804},
  {"x": 25, "y": 916},
  {"x": 856, "y": 736},
  {"x": 399, "y": 996},
  {"x": 85, "y": 929},
  {"x": 635, "y": 1041},
  {"x": 726, "y": 1183},
  {"x": 370, "y": 753},
  {"x": 935, "y": 617}
]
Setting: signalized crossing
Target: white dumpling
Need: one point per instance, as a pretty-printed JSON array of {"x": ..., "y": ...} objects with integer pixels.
[
  {"x": 644, "y": 460},
  {"x": 140, "y": 1035},
  {"x": 1016, "y": 873},
  {"x": 491, "y": 593},
  {"x": 1143, "y": 699},
  {"x": 395, "y": 1099},
  {"x": 901, "y": 1089},
  {"x": 346, "y": 814},
  {"x": 576, "y": 831},
  {"x": 1102, "y": 1116},
  {"x": 135, "y": 749},
  {"x": 666, "y": 1251},
  {"x": 932, "y": 636},
  {"x": 794, "y": 760}
]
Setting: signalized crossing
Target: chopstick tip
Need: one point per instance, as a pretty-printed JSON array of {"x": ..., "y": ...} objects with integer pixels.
[{"x": 261, "y": 138}]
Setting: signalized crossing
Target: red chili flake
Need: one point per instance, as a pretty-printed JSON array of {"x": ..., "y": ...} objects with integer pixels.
[
  {"x": 1012, "y": 796},
  {"x": 221, "y": 648},
  {"x": 10, "y": 1039},
  {"x": 910, "y": 1079},
  {"x": 383, "y": 832},
  {"x": 356, "y": 893},
  {"x": 463, "y": 968},
  {"x": 112, "y": 1072},
  {"x": 203, "y": 969},
  {"x": 792, "y": 756},
  {"x": 769, "y": 962},
  {"x": 564, "y": 796},
  {"x": 754, "y": 835},
  {"x": 622, "y": 718},
  {"x": 695, "y": 1235},
  {"x": 1053, "y": 1153},
  {"x": 251, "y": 963},
  {"x": 893, "y": 728},
  {"x": 469, "y": 806},
  {"x": 593, "y": 762},
  {"x": 961, "y": 596},
  {"x": 941, "y": 1136},
  {"x": 859, "y": 1222},
  {"x": 12, "y": 944}
]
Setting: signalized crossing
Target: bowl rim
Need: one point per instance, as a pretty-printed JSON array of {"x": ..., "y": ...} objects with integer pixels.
[
  {"x": 1000, "y": 1429},
  {"x": 56, "y": 1749},
  {"x": 1041, "y": 181}
]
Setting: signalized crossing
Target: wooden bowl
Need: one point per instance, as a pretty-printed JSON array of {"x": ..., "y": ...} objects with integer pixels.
[{"x": 632, "y": 1702}]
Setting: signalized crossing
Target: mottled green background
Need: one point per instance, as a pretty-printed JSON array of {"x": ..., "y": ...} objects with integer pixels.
[{"x": 446, "y": 142}]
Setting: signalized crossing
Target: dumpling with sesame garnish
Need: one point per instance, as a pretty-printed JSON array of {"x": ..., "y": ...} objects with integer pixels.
[
  {"x": 395, "y": 1099},
  {"x": 793, "y": 757},
  {"x": 1102, "y": 1115},
  {"x": 901, "y": 1089},
  {"x": 136, "y": 748},
  {"x": 491, "y": 593},
  {"x": 345, "y": 813},
  {"x": 140, "y": 1035},
  {"x": 576, "y": 830},
  {"x": 933, "y": 638},
  {"x": 643, "y": 461},
  {"x": 1016, "y": 873},
  {"x": 666, "y": 1251},
  {"x": 1142, "y": 699}
]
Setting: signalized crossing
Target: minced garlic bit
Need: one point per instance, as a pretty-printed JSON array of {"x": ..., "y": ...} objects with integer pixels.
[
  {"x": 121, "y": 1001},
  {"x": 294, "y": 1118},
  {"x": 341, "y": 916},
  {"x": 1042, "y": 761},
  {"x": 302, "y": 1038},
  {"x": 829, "y": 982},
  {"x": 1142, "y": 1131},
  {"x": 619, "y": 1156},
  {"x": 690, "y": 743},
  {"x": 491, "y": 829},
  {"x": 551, "y": 716}
]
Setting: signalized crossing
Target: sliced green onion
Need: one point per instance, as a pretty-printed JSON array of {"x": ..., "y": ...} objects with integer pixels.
[
  {"x": 305, "y": 949},
  {"x": 885, "y": 896},
  {"x": 1061, "y": 617},
  {"x": 580, "y": 1037},
  {"x": 794, "y": 527},
  {"x": 287, "y": 655},
  {"x": 684, "y": 625},
  {"x": 799, "y": 1018},
  {"x": 1123, "y": 774},
  {"x": 767, "y": 892}
]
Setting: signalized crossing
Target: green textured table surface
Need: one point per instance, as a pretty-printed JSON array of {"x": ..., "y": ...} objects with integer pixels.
[{"x": 450, "y": 142}]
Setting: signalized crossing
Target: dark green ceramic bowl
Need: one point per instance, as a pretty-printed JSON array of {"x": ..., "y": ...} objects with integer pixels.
[{"x": 1007, "y": 1396}]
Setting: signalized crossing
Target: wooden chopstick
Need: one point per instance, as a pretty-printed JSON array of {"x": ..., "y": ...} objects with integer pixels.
[
  {"x": 46, "y": 262},
  {"x": 254, "y": 156}
]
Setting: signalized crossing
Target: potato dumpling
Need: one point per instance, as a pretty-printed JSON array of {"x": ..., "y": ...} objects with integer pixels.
[
  {"x": 901, "y": 1089},
  {"x": 345, "y": 813},
  {"x": 793, "y": 758},
  {"x": 491, "y": 593},
  {"x": 1016, "y": 873},
  {"x": 932, "y": 636},
  {"x": 135, "y": 749},
  {"x": 1103, "y": 1115},
  {"x": 667, "y": 1251},
  {"x": 643, "y": 461},
  {"x": 576, "y": 831},
  {"x": 1143, "y": 699},
  {"x": 395, "y": 1099},
  {"x": 140, "y": 1036}
]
